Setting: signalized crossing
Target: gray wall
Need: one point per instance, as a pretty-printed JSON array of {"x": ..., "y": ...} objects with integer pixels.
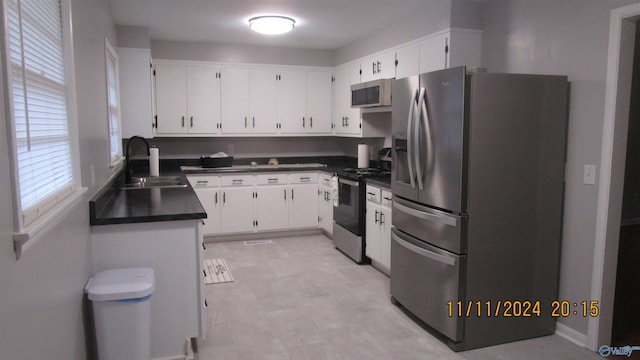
[
  {"x": 41, "y": 294},
  {"x": 562, "y": 37},
  {"x": 235, "y": 53},
  {"x": 133, "y": 37}
]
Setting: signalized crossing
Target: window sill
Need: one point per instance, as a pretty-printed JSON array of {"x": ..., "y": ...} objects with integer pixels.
[{"x": 24, "y": 240}]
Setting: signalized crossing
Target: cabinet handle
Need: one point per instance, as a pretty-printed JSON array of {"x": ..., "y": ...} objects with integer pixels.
[
  {"x": 305, "y": 179},
  {"x": 204, "y": 247},
  {"x": 216, "y": 198},
  {"x": 346, "y": 121},
  {"x": 374, "y": 68},
  {"x": 245, "y": 122},
  {"x": 203, "y": 182},
  {"x": 381, "y": 218},
  {"x": 370, "y": 193},
  {"x": 272, "y": 181},
  {"x": 191, "y": 122},
  {"x": 291, "y": 194},
  {"x": 311, "y": 122},
  {"x": 205, "y": 273},
  {"x": 386, "y": 198},
  {"x": 285, "y": 194},
  {"x": 237, "y": 181},
  {"x": 224, "y": 197},
  {"x": 303, "y": 122},
  {"x": 254, "y": 122},
  {"x": 183, "y": 121},
  {"x": 379, "y": 70}
]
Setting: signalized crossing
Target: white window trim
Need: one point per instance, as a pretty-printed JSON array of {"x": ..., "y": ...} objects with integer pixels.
[
  {"x": 24, "y": 237},
  {"x": 110, "y": 51}
]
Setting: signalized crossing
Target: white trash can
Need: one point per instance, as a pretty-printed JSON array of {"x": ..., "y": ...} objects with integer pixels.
[{"x": 122, "y": 312}]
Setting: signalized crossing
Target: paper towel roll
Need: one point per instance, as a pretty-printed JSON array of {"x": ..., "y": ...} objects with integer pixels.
[
  {"x": 154, "y": 161},
  {"x": 363, "y": 155}
]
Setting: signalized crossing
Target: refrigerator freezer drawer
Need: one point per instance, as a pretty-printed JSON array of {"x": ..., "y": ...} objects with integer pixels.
[
  {"x": 436, "y": 227},
  {"x": 423, "y": 279}
]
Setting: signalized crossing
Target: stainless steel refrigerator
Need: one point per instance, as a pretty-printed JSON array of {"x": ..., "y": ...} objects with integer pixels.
[{"x": 478, "y": 182}]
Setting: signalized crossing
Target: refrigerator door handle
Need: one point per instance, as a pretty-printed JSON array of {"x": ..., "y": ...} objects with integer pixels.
[
  {"x": 423, "y": 252},
  {"x": 410, "y": 152},
  {"x": 425, "y": 215},
  {"x": 416, "y": 134}
]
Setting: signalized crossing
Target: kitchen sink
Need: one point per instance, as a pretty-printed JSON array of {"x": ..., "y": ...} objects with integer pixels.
[{"x": 155, "y": 182}]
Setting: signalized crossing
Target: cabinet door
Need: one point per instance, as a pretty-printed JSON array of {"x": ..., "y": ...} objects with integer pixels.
[
  {"x": 135, "y": 92},
  {"x": 292, "y": 102},
  {"x": 381, "y": 66},
  {"x": 271, "y": 208},
  {"x": 303, "y": 206},
  {"x": 234, "y": 100},
  {"x": 210, "y": 200},
  {"x": 385, "y": 237},
  {"x": 408, "y": 58},
  {"x": 346, "y": 120},
  {"x": 237, "y": 210},
  {"x": 318, "y": 102},
  {"x": 262, "y": 101},
  {"x": 433, "y": 54},
  {"x": 325, "y": 208},
  {"x": 372, "y": 224},
  {"x": 171, "y": 98},
  {"x": 203, "y": 93}
]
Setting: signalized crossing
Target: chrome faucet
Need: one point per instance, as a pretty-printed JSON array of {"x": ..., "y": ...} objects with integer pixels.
[{"x": 127, "y": 169}]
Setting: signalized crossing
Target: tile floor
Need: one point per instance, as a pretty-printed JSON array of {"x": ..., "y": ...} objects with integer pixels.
[{"x": 299, "y": 298}]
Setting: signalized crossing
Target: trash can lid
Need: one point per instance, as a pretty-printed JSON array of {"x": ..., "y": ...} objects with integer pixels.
[{"x": 121, "y": 284}]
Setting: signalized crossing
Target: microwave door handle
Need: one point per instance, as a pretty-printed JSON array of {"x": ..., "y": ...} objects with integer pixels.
[
  {"x": 410, "y": 160},
  {"x": 417, "y": 132}
]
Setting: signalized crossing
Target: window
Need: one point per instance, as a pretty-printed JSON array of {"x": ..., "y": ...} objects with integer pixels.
[
  {"x": 113, "y": 104},
  {"x": 42, "y": 128}
]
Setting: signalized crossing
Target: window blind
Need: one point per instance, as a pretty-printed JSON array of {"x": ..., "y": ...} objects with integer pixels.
[
  {"x": 113, "y": 105},
  {"x": 39, "y": 104}
]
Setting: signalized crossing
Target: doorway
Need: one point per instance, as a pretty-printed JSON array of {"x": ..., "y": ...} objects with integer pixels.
[{"x": 626, "y": 313}]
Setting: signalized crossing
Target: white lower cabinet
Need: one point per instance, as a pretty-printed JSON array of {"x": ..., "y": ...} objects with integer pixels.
[
  {"x": 238, "y": 204},
  {"x": 325, "y": 204},
  {"x": 378, "y": 227},
  {"x": 237, "y": 213},
  {"x": 173, "y": 249}
]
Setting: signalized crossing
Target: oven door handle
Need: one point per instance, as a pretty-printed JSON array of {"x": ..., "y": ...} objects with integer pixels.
[
  {"x": 423, "y": 252},
  {"x": 348, "y": 182}
]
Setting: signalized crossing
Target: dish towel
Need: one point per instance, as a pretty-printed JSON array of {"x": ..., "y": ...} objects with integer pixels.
[{"x": 334, "y": 190}]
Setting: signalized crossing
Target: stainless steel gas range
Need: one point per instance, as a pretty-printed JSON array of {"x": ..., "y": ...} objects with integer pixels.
[{"x": 349, "y": 216}]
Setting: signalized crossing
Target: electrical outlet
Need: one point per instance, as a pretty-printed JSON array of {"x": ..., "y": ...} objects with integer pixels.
[{"x": 589, "y": 175}]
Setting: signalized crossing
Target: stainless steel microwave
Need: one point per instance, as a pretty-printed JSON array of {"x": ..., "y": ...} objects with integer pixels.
[{"x": 371, "y": 93}]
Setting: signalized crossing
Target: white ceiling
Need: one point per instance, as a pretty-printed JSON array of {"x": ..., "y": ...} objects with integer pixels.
[{"x": 321, "y": 24}]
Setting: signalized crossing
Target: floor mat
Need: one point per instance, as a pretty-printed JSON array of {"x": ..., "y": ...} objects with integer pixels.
[{"x": 216, "y": 271}]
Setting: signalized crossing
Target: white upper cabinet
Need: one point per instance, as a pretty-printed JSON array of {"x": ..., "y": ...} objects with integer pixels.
[
  {"x": 187, "y": 99},
  {"x": 292, "y": 101},
  {"x": 346, "y": 120},
  {"x": 382, "y": 66},
  {"x": 408, "y": 61},
  {"x": 304, "y": 102},
  {"x": 248, "y": 100},
  {"x": 136, "y": 96},
  {"x": 319, "y": 102},
  {"x": 456, "y": 47}
]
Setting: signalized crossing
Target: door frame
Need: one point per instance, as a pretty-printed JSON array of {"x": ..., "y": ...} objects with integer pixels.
[{"x": 612, "y": 166}]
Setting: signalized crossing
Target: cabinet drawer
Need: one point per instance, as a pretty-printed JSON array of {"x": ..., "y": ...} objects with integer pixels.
[
  {"x": 325, "y": 180},
  {"x": 373, "y": 194},
  {"x": 237, "y": 180},
  {"x": 204, "y": 181},
  {"x": 387, "y": 197},
  {"x": 303, "y": 178},
  {"x": 271, "y": 179}
]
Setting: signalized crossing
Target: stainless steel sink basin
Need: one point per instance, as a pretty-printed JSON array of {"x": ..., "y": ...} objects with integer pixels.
[{"x": 155, "y": 182}]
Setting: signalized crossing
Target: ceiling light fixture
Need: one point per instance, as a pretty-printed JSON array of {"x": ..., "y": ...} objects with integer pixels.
[{"x": 271, "y": 24}]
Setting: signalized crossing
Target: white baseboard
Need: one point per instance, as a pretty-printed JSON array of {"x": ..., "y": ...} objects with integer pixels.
[{"x": 574, "y": 336}]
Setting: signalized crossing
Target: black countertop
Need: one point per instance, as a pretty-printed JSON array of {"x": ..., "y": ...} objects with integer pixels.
[{"x": 114, "y": 205}]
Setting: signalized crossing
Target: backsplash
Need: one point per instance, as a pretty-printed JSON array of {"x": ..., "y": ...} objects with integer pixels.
[{"x": 242, "y": 147}]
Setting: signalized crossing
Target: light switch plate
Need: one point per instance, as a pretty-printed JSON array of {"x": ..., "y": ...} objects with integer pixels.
[{"x": 589, "y": 175}]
